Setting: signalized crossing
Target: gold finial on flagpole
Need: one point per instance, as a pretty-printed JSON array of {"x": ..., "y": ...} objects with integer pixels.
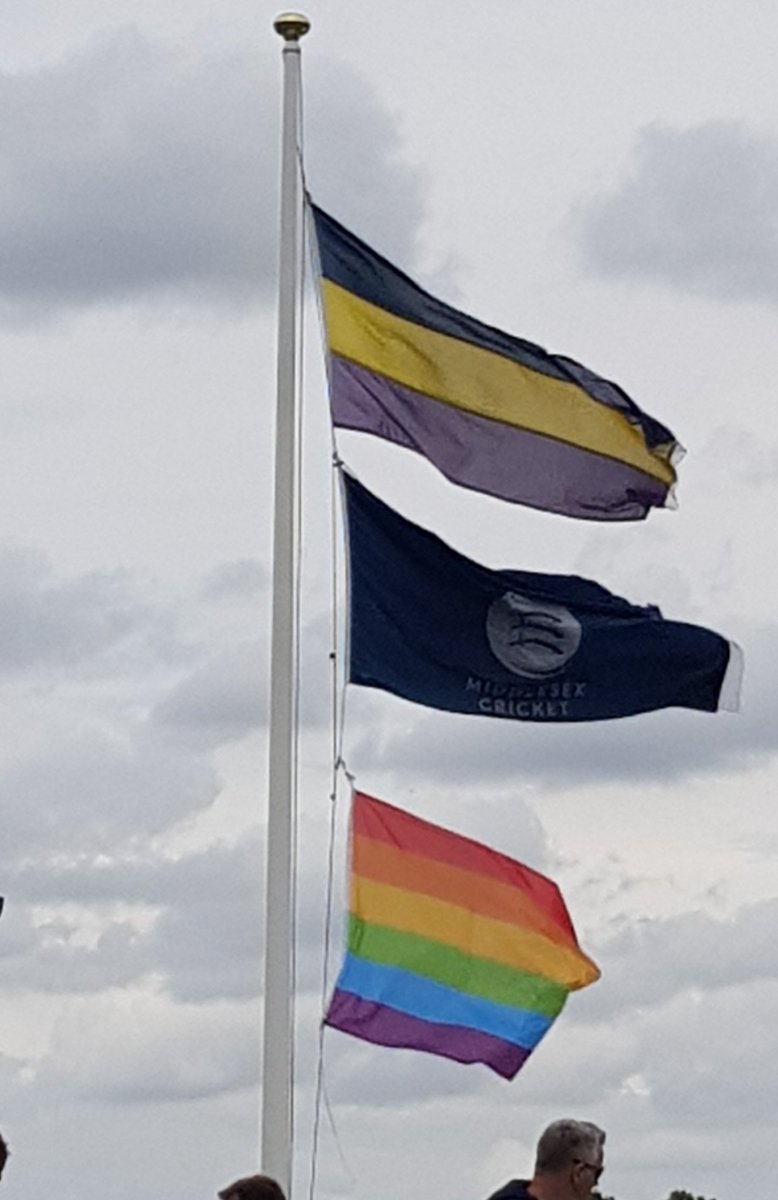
[{"x": 291, "y": 26}]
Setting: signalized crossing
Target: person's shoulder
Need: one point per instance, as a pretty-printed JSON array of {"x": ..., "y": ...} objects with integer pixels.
[{"x": 514, "y": 1189}]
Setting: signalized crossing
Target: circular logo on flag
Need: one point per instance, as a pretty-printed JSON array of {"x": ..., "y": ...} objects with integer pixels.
[{"x": 531, "y": 637}]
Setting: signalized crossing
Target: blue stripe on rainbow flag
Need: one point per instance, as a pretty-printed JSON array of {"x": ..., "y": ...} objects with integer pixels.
[{"x": 430, "y": 1001}]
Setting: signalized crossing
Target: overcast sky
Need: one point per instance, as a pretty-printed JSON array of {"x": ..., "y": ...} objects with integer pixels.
[{"x": 601, "y": 178}]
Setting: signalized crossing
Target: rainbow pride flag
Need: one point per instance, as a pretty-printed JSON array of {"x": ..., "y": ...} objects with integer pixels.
[{"x": 453, "y": 948}]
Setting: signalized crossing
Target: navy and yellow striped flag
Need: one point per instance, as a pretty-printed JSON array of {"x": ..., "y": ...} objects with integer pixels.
[{"x": 491, "y": 411}]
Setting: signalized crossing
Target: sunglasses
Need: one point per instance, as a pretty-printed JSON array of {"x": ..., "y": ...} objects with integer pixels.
[{"x": 596, "y": 1171}]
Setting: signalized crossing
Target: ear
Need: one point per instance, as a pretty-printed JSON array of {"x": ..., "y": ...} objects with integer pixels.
[{"x": 576, "y": 1173}]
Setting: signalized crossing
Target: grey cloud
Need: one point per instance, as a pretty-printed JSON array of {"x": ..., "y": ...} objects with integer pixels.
[
  {"x": 47, "y": 621},
  {"x": 653, "y": 960},
  {"x": 355, "y": 165},
  {"x": 211, "y": 944},
  {"x": 47, "y": 957},
  {"x": 112, "y": 163},
  {"x": 90, "y": 791},
  {"x": 141, "y": 878},
  {"x": 243, "y": 579},
  {"x": 195, "y": 922},
  {"x": 734, "y": 1020},
  {"x": 204, "y": 941},
  {"x": 651, "y": 747},
  {"x": 134, "y": 167},
  {"x": 221, "y": 701},
  {"x": 205, "y": 951},
  {"x": 227, "y": 698},
  {"x": 698, "y": 210}
]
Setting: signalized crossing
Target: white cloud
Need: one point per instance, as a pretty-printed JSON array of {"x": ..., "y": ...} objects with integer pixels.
[{"x": 142, "y": 1048}]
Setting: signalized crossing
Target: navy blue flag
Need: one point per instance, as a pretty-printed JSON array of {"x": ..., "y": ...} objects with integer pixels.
[{"x": 433, "y": 626}]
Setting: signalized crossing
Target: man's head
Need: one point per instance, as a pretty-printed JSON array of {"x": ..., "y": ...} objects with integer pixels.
[
  {"x": 253, "y": 1187},
  {"x": 571, "y": 1153},
  {"x": 4, "y": 1152}
]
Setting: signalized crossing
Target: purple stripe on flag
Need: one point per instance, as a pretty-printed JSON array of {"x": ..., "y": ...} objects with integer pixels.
[
  {"x": 387, "y": 1027},
  {"x": 489, "y": 456}
]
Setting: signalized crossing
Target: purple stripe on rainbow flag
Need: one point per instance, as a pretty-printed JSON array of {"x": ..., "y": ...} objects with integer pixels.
[
  {"x": 387, "y": 1027},
  {"x": 475, "y": 452}
]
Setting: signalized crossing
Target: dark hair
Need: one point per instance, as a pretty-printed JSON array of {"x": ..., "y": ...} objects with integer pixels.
[
  {"x": 253, "y": 1187},
  {"x": 4, "y": 1151}
]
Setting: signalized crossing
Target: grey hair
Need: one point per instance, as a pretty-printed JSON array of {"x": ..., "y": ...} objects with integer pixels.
[{"x": 565, "y": 1141}]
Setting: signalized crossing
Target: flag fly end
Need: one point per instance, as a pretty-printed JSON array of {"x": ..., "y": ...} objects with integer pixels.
[{"x": 729, "y": 696}]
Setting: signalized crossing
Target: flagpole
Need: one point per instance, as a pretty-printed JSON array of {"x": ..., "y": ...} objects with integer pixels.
[{"x": 276, "y": 1066}]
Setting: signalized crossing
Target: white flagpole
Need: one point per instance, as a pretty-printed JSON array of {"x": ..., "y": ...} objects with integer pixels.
[{"x": 276, "y": 1066}]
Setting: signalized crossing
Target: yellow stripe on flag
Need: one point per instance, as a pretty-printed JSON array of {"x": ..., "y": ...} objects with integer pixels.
[
  {"x": 409, "y": 912},
  {"x": 481, "y": 382}
]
